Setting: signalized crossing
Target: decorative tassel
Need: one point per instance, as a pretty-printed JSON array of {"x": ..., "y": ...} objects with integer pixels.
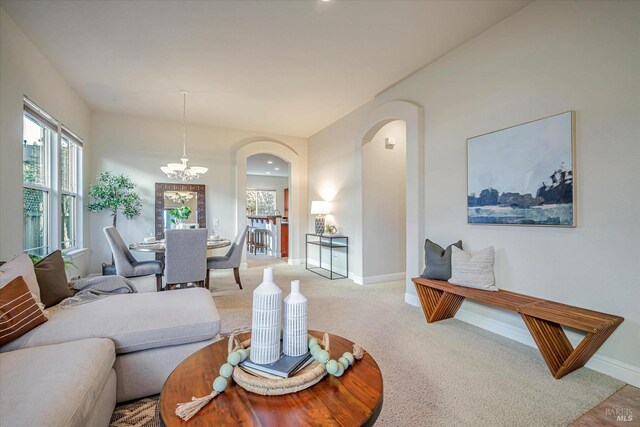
[
  {"x": 325, "y": 342},
  {"x": 189, "y": 409},
  {"x": 358, "y": 352}
]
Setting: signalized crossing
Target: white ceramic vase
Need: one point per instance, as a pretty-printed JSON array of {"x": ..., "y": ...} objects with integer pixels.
[
  {"x": 265, "y": 321},
  {"x": 295, "y": 322}
]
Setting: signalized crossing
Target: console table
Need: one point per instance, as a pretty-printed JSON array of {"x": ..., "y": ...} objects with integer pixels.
[{"x": 332, "y": 243}]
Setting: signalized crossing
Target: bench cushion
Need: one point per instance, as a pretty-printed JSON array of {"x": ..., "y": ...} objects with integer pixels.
[
  {"x": 133, "y": 321},
  {"x": 56, "y": 385}
]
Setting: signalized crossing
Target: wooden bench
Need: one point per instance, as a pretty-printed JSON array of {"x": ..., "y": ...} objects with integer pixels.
[{"x": 441, "y": 300}]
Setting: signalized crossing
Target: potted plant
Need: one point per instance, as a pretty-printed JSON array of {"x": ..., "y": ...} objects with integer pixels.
[{"x": 115, "y": 194}]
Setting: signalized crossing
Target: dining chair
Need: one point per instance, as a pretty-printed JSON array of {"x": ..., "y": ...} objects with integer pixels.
[
  {"x": 126, "y": 264},
  {"x": 232, "y": 258},
  {"x": 185, "y": 257}
]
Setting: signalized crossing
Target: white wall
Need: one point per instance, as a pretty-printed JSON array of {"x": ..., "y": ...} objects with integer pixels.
[
  {"x": 548, "y": 58},
  {"x": 278, "y": 183},
  {"x": 332, "y": 177},
  {"x": 25, "y": 71},
  {"x": 383, "y": 197},
  {"x": 138, "y": 146}
]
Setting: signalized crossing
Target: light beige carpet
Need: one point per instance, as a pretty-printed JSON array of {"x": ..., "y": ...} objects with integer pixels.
[{"x": 442, "y": 374}]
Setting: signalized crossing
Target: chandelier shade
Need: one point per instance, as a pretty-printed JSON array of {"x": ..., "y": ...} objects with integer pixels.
[{"x": 181, "y": 171}]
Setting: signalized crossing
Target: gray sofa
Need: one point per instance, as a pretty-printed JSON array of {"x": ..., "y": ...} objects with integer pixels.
[{"x": 71, "y": 370}]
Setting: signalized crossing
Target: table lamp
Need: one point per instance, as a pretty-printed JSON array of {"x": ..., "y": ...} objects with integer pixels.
[{"x": 320, "y": 208}]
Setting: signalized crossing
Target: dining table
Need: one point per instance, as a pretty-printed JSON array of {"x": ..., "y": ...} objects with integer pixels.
[{"x": 159, "y": 246}]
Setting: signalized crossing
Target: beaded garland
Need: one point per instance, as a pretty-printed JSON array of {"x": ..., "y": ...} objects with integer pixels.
[{"x": 333, "y": 367}]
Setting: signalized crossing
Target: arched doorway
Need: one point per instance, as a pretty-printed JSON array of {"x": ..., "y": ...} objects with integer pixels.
[
  {"x": 277, "y": 148},
  {"x": 384, "y": 204},
  {"x": 412, "y": 114}
]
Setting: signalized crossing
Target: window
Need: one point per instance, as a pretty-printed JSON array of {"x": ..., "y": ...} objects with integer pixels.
[
  {"x": 261, "y": 202},
  {"x": 51, "y": 175},
  {"x": 70, "y": 148}
]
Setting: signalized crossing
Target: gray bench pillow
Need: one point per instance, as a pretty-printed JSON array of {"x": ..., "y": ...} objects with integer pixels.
[{"x": 438, "y": 260}]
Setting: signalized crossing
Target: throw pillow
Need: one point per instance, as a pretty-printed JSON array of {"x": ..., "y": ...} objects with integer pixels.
[
  {"x": 473, "y": 269},
  {"x": 438, "y": 260},
  {"x": 19, "y": 312},
  {"x": 52, "y": 279},
  {"x": 21, "y": 265}
]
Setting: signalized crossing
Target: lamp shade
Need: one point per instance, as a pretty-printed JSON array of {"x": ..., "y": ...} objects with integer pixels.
[
  {"x": 320, "y": 207},
  {"x": 199, "y": 169},
  {"x": 176, "y": 166}
]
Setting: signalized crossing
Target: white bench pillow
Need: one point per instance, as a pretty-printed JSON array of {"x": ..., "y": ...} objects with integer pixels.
[{"x": 473, "y": 269}]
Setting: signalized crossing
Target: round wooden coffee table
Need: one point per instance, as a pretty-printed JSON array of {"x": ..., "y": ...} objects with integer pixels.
[{"x": 354, "y": 399}]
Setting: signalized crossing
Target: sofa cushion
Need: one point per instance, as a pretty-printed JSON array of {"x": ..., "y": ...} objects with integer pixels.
[
  {"x": 21, "y": 265},
  {"x": 19, "y": 312},
  {"x": 52, "y": 279},
  {"x": 56, "y": 385},
  {"x": 133, "y": 321}
]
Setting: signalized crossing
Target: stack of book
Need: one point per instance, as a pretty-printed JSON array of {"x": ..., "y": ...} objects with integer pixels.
[{"x": 284, "y": 367}]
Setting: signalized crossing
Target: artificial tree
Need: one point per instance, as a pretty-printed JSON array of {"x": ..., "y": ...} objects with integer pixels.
[{"x": 114, "y": 193}]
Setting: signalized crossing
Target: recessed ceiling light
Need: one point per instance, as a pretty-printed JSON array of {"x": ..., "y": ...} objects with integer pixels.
[
  {"x": 270, "y": 162},
  {"x": 268, "y": 173},
  {"x": 277, "y": 169}
]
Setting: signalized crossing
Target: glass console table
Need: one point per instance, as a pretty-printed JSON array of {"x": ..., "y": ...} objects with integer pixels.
[{"x": 319, "y": 246}]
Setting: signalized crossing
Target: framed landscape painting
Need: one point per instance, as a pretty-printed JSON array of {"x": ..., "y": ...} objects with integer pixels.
[{"x": 524, "y": 175}]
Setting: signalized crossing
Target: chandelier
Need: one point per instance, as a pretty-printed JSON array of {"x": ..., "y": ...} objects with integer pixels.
[{"x": 180, "y": 171}]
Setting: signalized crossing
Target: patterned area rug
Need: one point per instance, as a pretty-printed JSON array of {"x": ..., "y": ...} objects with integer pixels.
[{"x": 140, "y": 413}]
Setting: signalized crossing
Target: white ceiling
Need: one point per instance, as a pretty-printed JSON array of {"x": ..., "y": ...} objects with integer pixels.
[
  {"x": 287, "y": 67},
  {"x": 258, "y": 164}
]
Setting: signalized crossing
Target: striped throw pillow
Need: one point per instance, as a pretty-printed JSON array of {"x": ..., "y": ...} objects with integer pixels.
[{"x": 19, "y": 312}]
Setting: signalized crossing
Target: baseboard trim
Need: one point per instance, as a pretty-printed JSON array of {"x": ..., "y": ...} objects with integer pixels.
[
  {"x": 412, "y": 299},
  {"x": 606, "y": 365},
  {"x": 370, "y": 280},
  {"x": 356, "y": 279},
  {"x": 615, "y": 368},
  {"x": 501, "y": 328},
  {"x": 391, "y": 277}
]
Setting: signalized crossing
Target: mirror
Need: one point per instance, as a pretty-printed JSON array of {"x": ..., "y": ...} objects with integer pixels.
[
  {"x": 179, "y": 206},
  {"x": 180, "y": 209}
]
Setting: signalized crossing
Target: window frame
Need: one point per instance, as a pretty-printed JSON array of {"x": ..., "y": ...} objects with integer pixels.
[
  {"x": 46, "y": 187},
  {"x": 52, "y": 186},
  {"x": 74, "y": 140}
]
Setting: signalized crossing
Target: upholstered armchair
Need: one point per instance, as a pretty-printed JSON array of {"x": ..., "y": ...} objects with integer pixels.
[
  {"x": 232, "y": 259},
  {"x": 126, "y": 264}
]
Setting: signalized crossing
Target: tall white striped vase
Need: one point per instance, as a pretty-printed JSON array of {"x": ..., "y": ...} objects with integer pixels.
[
  {"x": 265, "y": 321},
  {"x": 295, "y": 322}
]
